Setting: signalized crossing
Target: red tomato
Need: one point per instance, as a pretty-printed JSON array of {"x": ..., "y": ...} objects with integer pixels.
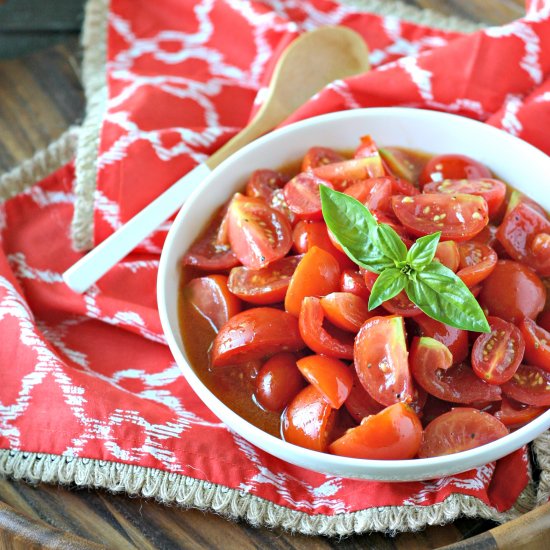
[
  {"x": 512, "y": 292},
  {"x": 458, "y": 217},
  {"x": 302, "y": 195},
  {"x": 514, "y": 415},
  {"x": 211, "y": 297},
  {"x": 374, "y": 193},
  {"x": 399, "y": 305},
  {"x": 258, "y": 234},
  {"x": 278, "y": 382},
  {"x": 253, "y": 334},
  {"x": 431, "y": 365},
  {"x": 488, "y": 236},
  {"x": 543, "y": 320},
  {"x": 394, "y": 433},
  {"x": 453, "y": 167},
  {"x": 493, "y": 191},
  {"x": 458, "y": 430},
  {"x": 367, "y": 148},
  {"x": 345, "y": 310},
  {"x": 330, "y": 376},
  {"x": 359, "y": 403},
  {"x": 208, "y": 252},
  {"x": 525, "y": 235},
  {"x": 435, "y": 407},
  {"x": 477, "y": 262},
  {"x": 348, "y": 170},
  {"x": 352, "y": 281},
  {"x": 529, "y": 385},
  {"x": 537, "y": 344},
  {"x": 447, "y": 253},
  {"x": 401, "y": 164},
  {"x": 319, "y": 156},
  {"x": 381, "y": 360},
  {"x": 307, "y": 421},
  {"x": 317, "y": 337},
  {"x": 496, "y": 355},
  {"x": 317, "y": 274},
  {"x": 267, "y": 285},
  {"x": 455, "y": 339},
  {"x": 516, "y": 198},
  {"x": 263, "y": 183}
]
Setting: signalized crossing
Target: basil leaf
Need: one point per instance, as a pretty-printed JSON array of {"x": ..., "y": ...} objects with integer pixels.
[
  {"x": 389, "y": 283},
  {"x": 354, "y": 227},
  {"x": 439, "y": 293},
  {"x": 390, "y": 243},
  {"x": 422, "y": 252}
]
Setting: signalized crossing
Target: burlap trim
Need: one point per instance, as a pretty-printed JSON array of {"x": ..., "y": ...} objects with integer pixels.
[
  {"x": 170, "y": 488},
  {"x": 541, "y": 448},
  {"x": 95, "y": 87}
]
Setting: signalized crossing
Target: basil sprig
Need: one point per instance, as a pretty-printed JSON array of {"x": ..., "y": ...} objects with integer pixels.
[{"x": 434, "y": 288}]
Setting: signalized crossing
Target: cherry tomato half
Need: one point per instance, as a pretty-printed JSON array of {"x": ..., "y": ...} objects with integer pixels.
[
  {"x": 458, "y": 430},
  {"x": 514, "y": 415},
  {"x": 447, "y": 253},
  {"x": 303, "y": 197},
  {"x": 345, "y": 310},
  {"x": 319, "y": 156},
  {"x": 477, "y": 262},
  {"x": 352, "y": 281},
  {"x": 381, "y": 360},
  {"x": 537, "y": 344},
  {"x": 374, "y": 193},
  {"x": 496, "y": 355},
  {"x": 253, "y": 334},
  {"x": 359, "y": 402},
  {"x": 453, "y": 167},
  {"x": 263, "y": 183},
  {"x": 529, "y": 385},
  {"x": 458, "y": 217},
  {"x": 353, "y": 169},
  {"x": 392, "y": 434}
]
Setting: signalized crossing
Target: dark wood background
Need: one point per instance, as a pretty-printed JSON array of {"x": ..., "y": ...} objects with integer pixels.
[{"x": 40, "y": 96}]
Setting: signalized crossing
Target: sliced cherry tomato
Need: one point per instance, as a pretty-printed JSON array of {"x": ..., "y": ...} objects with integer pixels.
[
  {"x": 367, "y": 148},
  {"x": 263, "y": 183},
  {"x": 435, "y": 407},
  {"x": 208, "y": 252},
  {"x": 352, "y": 281},
  {"x": 537, "y": 344},
  {"x": 529, "y": 385},
  {"x": 455, "y": 339},
  {"x": 458, "y": 430},
  {"x": 543, "y": 320},
  {"x": 267, "y": 285},
  {"x": 477, "y": 262},
  {"x": 258, "y": 233},
  {"x": 401, "y": 164},
  {"x": 349, "y": 170},
  {"x": 514, "y": 415},
  {"x": 330, "y": 376},
  {"x": 345, "y": 310},
  {"x": 516, "y": 197},
  {"x": 374, "y": 193},
  {"x": 359, "y": 402},
  {"x": 447, "y": 253},
  {"x": 453, "y": 167},
  {"x": 392, "y": 434},
  {"x": 211, "y": 297},
  {"x": 513, "y": 291},
  {"x": 317, "y": 337},
  {"x": 278, "y": 382},
  {"x": 302, "y": 195},
  {"x": 253, "y": 334},
  {"x": 308, "y": 420},
  {"x": 525, "y": 235},
  {"x": 317, "y": 274},
  {"x": 496, "y": 355},
  {"x": 493, "y": 191},
  {"x": 431, "y": 365},
  {"x": 488, "y": 236},
  {"x": 399, "y": 305},
  {"x": 381, "y": 360},
  {"x": 458, "y": 217},
  {"x": 319, "y": 156}
]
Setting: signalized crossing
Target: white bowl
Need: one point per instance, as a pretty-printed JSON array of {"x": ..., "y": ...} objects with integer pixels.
[{"x": 521, "y": 165}]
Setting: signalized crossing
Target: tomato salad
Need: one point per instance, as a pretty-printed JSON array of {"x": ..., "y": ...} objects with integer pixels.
[{"x": 275, "y": 312}]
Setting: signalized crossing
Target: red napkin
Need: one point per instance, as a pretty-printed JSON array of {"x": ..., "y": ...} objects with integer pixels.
[{"x": 90, "y": 376}]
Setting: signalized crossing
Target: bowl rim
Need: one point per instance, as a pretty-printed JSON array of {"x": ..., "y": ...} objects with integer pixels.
[{"x": 358, "y": 467}]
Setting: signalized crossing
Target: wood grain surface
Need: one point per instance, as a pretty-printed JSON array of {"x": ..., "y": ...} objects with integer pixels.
[{"x": 40, "y": 96}]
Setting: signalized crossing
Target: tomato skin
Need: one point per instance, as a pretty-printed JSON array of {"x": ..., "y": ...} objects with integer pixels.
[
  {"x": 400, "y": 163},
  {"x": 381, "y": 360},
  {"x": 212, "y": 298},
  {"x": 454, "y": 339},
  {"x": 317, "y": 274},
  {"x": 317, "y": 337},
  {"x": 303, "y": 197},
  {"x": 359, "y": 402},
  {"x": 353, "y": 282},
  {"x": 477, "y": 262},
  {"x": 253, "y": 334},
  {"x": 496, "y": 355},
  {"x": 267, "y": 285},
  {"x": 463, "y": 215},
  {"x": 345, "y": 310},
  {"x": 399, "y": 305},
  {"x": 543, "y": 320},
  {"x": 374, "y": 193},
  {"x": 452, "y": 167},
  {"x": 529, "y": 385},
  {"x": 394, "y": 433},
  {"x": 512, "y": 292},
  {"x": 258, "y": 233},
  {"x": 447, "y": 253},
  {"x": 278, "y": 382},
  {"x": 493, "y": 191},
  {"x": 308, "y": 420},
  {"x": 319, "y": 156},
  {"x": 431, "y": 366},
  {"x": 458, "y": 430},
  {"x": 514, "y": 415},
  {"x": 332, "y": 378},
  {"x": 537, "y": 344},
  {"x": 353, "y": 169},
  {"x": 263, "y": 183}
]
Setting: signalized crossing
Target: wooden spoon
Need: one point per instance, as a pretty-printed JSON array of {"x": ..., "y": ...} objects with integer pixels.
[{"x": 308, "y": 64}]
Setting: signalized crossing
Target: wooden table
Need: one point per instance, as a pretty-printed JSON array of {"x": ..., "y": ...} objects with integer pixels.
[{"x": 40, "y": 95}]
